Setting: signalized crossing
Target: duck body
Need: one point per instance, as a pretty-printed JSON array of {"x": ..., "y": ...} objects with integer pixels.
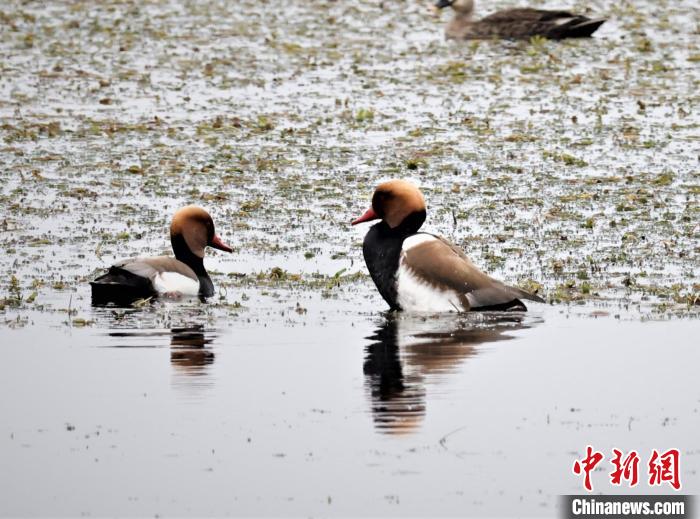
[
  {"x": 517, "y": 23},
  {"x": 139, "y": 278},
  {"x": 191, "y": 231},
  {"x": 421, "y": 272},
  {"x": 523, "y": 24}
]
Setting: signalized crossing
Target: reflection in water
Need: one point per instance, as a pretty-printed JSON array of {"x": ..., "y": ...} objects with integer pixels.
[
  {"x": 405, "y": 349},
  {"x": 398, "y": 400},
  {"x": 191, "y": 355},
  {"x": 191, "y": 359}
]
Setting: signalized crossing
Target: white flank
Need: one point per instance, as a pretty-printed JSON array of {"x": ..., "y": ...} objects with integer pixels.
[
  {"x": 415, "y": 295},
  {"x": 173, "y": 282},
  {"x": 417, "y": 239}
]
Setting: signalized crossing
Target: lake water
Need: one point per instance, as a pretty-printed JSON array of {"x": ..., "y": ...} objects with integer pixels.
[{"x": 344, "y": 415}]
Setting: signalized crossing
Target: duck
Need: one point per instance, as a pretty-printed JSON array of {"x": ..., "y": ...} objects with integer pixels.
[
  {"x": 517, "y": 23},
  {"x": 422, "y": 272},
  {"x": 191, "y": 231}
]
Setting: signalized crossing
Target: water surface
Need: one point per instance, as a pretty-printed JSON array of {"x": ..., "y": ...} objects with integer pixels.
[{"x": 373, "y": 415}]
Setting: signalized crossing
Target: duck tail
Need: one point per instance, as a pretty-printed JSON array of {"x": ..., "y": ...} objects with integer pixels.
[
  {"x": 583, "y": 29},
  {"x": 522, "y": 294},
  {"x": 119, "y": 286}
]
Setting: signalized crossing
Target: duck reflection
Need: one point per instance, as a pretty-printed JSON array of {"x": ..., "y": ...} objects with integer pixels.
[
  {"x": 398, "y": 398},
  {"x": 190, "y": 347},
  {"x": 189, "y": 353},
  {"x": 406, "y": 349},
  {"x": 191, "y": 358}
]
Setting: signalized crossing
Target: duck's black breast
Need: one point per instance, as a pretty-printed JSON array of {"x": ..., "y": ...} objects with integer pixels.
[
  {"x": 206, "y": 286},
  {"x": 382, "y": 250}
]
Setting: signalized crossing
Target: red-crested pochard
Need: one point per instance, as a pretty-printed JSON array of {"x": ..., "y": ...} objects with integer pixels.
[
  {"x": 517, "y": 23},
  {"x": 191, "y": 231},
  {"x": 420, "y": 272}
]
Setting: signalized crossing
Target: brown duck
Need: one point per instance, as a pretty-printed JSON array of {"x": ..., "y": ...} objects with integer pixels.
[
  {"x": 420, "y": 272},
  {"x": 517, "y": 24},
  {"x": 191, "y": 231}
]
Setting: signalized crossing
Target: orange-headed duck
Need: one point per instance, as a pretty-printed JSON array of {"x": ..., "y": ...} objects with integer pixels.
[
  {"x": 191, "y": 231},
  {"x": 517, "y": 24},
  {"x": 420, "y": 272}
]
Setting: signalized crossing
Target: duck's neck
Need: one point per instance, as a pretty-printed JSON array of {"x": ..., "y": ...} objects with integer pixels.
[
  {"x": 463, "y": 17},
  {"x": 184, "y": 254},
  {"x": 410, "y": 225},
  {"x": 466, "y": 10}
]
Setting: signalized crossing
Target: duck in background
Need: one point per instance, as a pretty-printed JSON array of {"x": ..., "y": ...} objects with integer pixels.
[
  {"x": 420, "y": 272},
  {"x": 191, "y": 231},
  {"x": 517, "y": 24}
]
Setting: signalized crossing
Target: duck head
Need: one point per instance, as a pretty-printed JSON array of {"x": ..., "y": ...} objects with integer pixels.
[
  {"x": 463, "y": 7},
  {"x": 397, "y": 203},
  {"x": 194, "y": 226}
]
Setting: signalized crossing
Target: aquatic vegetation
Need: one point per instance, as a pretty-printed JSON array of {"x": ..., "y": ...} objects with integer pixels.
[{"x": 532, "y": 155}]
